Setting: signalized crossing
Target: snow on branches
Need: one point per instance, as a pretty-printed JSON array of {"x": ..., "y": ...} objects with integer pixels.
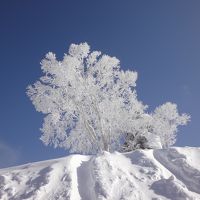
[{"x": 90, "y": 105}]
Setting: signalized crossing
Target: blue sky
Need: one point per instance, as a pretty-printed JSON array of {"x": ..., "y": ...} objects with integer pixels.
[{"x": 158, "y": 39}]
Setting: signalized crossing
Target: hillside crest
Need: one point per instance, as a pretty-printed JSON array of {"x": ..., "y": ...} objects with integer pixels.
[{"x": 160, "y": 174}]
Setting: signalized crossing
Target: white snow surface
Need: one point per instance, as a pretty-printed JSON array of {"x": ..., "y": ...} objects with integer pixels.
[{"x": 159, "y": 174}]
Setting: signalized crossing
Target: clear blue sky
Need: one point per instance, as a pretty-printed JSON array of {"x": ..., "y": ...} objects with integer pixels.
[{"x": 158, "y": 39}]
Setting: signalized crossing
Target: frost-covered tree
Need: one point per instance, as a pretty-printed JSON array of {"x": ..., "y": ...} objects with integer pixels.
[
  {"x": 157, "y": 129},
  {"x": 142, "y": 135},
  {"x": 166, "y": 120},
  {"x": 88, "y": 101},
  {"x": 91, "y": 105}
]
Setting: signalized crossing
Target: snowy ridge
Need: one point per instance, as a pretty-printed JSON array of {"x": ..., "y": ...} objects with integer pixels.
[{"x": 140, "y": 175}]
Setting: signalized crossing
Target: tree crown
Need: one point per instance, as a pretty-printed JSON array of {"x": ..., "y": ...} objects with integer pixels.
[{"x": 91, "y": 104}]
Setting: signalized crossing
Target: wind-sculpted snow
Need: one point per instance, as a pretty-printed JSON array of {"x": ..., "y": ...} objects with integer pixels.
[
  {"x": 177, "y": 163},
  {"x": 139, "y": 175}
]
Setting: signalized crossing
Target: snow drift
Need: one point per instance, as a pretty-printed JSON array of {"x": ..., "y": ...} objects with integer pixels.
[{"x": 140, "y": 175}]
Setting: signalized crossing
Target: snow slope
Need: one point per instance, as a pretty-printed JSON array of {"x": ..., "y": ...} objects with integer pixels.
[{"x": 140, "y": 175}]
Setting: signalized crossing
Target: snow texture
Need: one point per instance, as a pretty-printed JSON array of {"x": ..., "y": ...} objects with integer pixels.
[{"x": 172, "y": 173}]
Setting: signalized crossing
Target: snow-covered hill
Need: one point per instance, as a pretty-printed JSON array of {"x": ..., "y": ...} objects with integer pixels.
[{"x": 140, "y": 175}]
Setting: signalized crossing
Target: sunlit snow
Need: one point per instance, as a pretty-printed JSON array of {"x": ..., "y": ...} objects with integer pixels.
[{"x": 140, "y": 175}]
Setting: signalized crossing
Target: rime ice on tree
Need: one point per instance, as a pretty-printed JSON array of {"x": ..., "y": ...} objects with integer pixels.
[{"x": 90, "y": 105}]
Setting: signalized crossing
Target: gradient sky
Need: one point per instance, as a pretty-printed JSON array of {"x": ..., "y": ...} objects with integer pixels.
[{"x": 158, "y": 39}]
